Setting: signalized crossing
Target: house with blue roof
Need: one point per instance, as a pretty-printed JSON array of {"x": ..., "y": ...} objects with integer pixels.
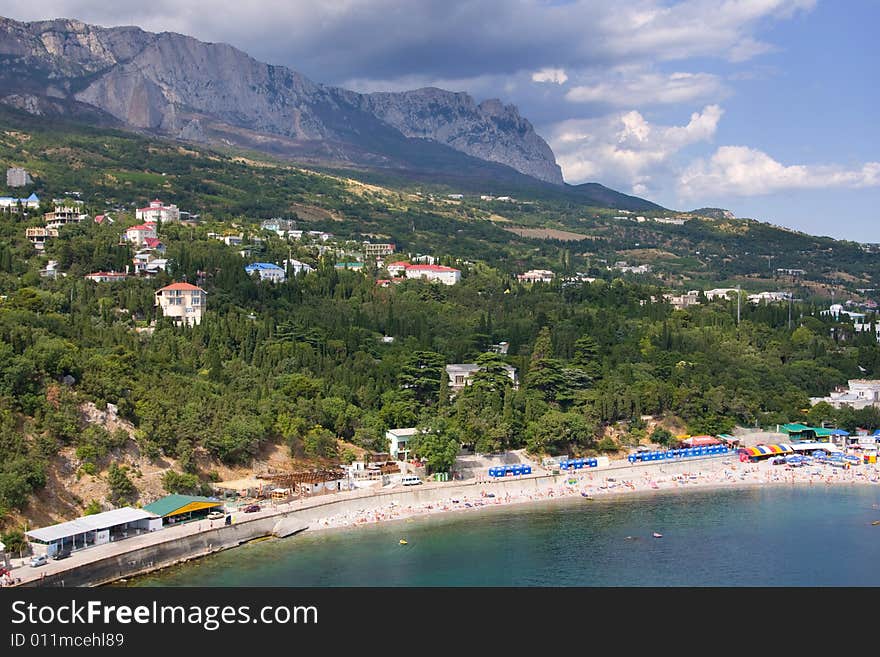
[
  {"x": 31, "y": 202},
  {"x": 267, "y": 271}
]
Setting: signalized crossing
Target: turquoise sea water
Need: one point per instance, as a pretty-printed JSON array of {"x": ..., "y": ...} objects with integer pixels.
[{"x": 780, "y": 536}]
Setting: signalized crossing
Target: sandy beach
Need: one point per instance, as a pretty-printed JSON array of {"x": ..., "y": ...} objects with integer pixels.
[{"x": 605, "y": 483}]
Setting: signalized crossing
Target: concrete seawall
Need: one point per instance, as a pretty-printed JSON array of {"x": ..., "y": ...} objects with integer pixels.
[{"x": 132, "y": 557}]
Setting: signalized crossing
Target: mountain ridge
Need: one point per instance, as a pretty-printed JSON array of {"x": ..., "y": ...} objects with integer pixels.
[{"x": 175, "y": 84}]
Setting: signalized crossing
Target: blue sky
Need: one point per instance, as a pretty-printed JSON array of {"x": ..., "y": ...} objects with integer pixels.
[{"x": 764, "y": 107}]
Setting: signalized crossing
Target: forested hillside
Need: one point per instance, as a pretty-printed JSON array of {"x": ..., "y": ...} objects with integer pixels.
[{"x": 303, "y": 363}]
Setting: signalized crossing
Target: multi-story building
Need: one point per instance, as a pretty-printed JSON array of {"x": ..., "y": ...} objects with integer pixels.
[
  {"x": 32, "y": 202},
  {"x": 138, "y": 235},
  {"x": 183, "y": 302},
  {"x": 65, "y": 212},
  {"x": 377, "y": 250},
  {"x": 158, "y": 213},
  {"x": 398, "y": 442},
  {"x": 460, "y": 374},
  {"x": 267, "y": 271},
  {"x": 17, "y": 177},
  {"x": 439, "y": 273},
  {"x": 278, "y": 225},
  {"x": 769, "y": 297},
  {"x": 39, "y": 235},
  {"x": 396, "y": 268},
  {"x": 51, "y": 270},
  {"x": 858, "y": 394},
  {"x": 682, "y": 301},
  {"x": 536, "y": 276},
  {"x": 297, "y": 267}
]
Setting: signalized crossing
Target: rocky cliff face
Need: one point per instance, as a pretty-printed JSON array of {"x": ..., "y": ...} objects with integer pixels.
[
  {"x": 179, "y": 86},
  {"x": 490, "y": 131}
]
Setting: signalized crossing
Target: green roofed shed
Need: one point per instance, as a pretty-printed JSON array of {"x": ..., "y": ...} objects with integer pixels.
[
  {"x": 793, "y": 427},
  {"x": 174, "y": 508},
  {"x": 796, "y": 430}
]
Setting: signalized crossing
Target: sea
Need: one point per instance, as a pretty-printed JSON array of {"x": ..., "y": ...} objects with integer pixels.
[{"x": 770, "y": 536}]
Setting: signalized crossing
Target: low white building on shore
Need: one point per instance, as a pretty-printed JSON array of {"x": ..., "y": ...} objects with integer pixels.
[
  {"x": 398, "y": 442},
  {"x": 96, "y": 529}
]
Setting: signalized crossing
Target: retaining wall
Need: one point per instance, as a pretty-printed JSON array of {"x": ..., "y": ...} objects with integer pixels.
[{"x": 298, "y": 516}]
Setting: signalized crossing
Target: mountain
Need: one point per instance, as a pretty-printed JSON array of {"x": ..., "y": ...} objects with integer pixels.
[
  {"x": 176, "y": 85},
  {"x": 608, "y": 198}
]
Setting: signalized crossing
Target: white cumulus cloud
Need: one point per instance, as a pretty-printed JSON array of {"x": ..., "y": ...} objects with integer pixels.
[
  {"x": 635, "y": 89},
  {"x": 556, "y": 75},
  {"x": 743, "y": 171},
  {"x": 625, "y": 149}
]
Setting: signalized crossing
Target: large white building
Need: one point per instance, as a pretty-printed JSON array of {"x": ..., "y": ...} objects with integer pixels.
[
  {"x": 31, "y": 202},
  {"x": 297, "y": 267},
  {"x": 267, "y": 271},
  {"x": 158, "y": 213},
  {"x": 537, "y": 276},
  {"x": 769, "y": 297},
  {"x": 860, "y": 393},
  {"x": 183, "y": 302},
  {"x": 837, "y": 311},
  {"x": 96, "y": 529},
  {"x": 439, "y": 273},
  {"x": 719, "y": 293}
]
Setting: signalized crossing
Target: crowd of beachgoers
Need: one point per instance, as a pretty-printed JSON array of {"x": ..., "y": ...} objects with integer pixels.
[{"x": 594, "y": 484}]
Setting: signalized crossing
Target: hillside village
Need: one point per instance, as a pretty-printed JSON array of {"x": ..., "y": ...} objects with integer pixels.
[{"x": 303, "y": 345}]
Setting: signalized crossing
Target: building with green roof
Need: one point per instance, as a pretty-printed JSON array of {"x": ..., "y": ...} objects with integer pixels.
[
  {"x": 180, "y": 508},
  {"x": 797, "y": 431}
]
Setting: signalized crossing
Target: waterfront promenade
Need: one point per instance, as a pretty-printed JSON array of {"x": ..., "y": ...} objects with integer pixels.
[{"x": 147, "y": 552}]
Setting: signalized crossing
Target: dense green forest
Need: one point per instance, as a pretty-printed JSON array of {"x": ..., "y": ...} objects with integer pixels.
[{"x": 303, "y": 362}]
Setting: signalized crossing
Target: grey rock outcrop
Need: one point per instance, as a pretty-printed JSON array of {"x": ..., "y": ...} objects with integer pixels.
[{"x": 179, "y": 86}]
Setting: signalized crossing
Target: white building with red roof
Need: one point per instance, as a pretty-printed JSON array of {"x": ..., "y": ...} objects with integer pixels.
[
  {"x": 138, "y": 235},
  {"x": 439, "y": 273},
  {"x": 183, "y": 302},
  {"x": 396, "y": 268},
  {"x": 158, "y": 213},
  {"x": 154, "y": 243}
]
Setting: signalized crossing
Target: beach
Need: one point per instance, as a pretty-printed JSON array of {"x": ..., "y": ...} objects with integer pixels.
[
  {"x": 612, "y": 482},
  {"x": 350, "y": 510}
]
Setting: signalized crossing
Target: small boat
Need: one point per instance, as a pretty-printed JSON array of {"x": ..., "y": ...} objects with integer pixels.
[
  {"x": 876, "y": 522},
  {"x": 657, "y": 535},
  {"x": 402, "y": 541}
]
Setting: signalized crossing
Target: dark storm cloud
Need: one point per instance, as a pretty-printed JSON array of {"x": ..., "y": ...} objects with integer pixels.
[{"x": 334, "y": 40}]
